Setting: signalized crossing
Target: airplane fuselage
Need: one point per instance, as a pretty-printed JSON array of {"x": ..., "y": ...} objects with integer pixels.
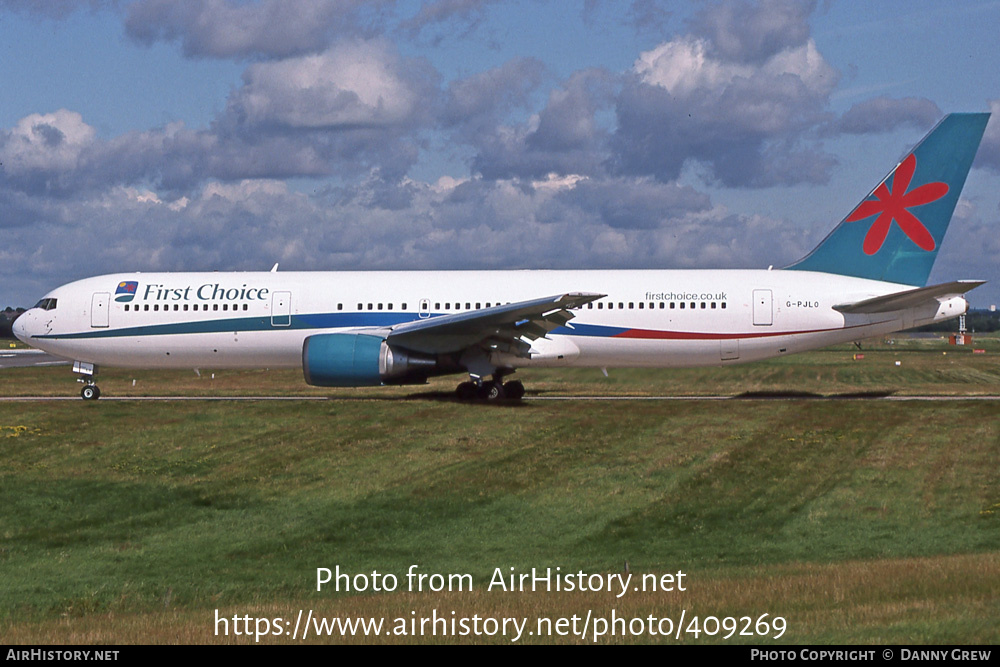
[{"x": 648, "y": 318}]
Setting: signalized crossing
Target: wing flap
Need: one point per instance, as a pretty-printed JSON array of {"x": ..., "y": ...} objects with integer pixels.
[
  {"x": 908, "y": 298},
  {"x": 505, "y": 326}
]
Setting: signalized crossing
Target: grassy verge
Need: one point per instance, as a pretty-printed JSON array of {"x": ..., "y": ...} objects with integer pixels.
[{"x": 856, "y": 521}]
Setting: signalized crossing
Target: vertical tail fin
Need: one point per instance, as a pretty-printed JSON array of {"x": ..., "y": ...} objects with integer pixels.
[{"x": 894, "y": 234}]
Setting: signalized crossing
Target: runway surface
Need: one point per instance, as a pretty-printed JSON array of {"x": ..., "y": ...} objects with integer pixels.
[{"x": 14, "y": 358}]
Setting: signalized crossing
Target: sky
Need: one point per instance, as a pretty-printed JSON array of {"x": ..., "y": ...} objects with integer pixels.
[{"x": 200, "y": 135}]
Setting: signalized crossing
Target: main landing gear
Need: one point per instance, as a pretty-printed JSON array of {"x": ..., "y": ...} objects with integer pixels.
[
  {"x": 493, "y": 390},
  {"x": 90, "y": 392},
  {"x": 479, "y": 365}
]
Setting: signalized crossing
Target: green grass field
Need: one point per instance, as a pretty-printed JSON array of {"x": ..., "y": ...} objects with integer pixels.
[{"x": 855, "y": 520}]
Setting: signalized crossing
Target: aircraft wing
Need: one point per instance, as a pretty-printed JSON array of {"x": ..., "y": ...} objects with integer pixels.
[
  {"x": 908, "y": 298},
  {"x": 505, "y": 327}
]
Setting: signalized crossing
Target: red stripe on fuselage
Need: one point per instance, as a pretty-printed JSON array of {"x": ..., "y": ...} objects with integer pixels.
[{"x": 652, "y": 334}]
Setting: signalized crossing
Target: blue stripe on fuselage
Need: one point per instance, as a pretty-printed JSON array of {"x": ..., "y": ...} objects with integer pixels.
[
  {"x": 356, "y": 320},
  {"x": 308, "y": 321}
]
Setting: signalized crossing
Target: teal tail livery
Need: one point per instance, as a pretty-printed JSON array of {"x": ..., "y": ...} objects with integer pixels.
[
  {"x": 362, "y": 328},
  {"x": 895, "y": 233}
]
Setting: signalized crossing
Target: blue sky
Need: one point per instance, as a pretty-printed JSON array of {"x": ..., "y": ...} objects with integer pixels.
[{"x": 338, "y": 134}]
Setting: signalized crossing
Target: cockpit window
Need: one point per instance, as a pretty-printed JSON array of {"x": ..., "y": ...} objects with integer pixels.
[{"x": 46, "y": 304}]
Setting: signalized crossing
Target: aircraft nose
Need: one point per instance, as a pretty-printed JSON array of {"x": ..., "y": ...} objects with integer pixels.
[{"x": 20, "y": 327}]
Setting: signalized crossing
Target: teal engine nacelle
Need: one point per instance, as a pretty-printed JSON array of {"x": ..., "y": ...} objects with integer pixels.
[{"x": 360, "y": 360}]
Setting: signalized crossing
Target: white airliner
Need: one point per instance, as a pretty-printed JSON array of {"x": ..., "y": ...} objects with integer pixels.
[{"x": 867, "y": 278}]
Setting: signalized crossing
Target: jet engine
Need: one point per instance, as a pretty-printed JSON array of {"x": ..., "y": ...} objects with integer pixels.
[{"x": 360, "y": 360}]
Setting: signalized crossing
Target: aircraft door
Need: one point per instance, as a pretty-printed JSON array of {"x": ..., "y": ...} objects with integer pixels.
[
  {"x": 281, "y": 309},
  {"x": 425, "y": 308},
  {"x": 762, "y": 303},
  {"x": 99, "y": 306}
]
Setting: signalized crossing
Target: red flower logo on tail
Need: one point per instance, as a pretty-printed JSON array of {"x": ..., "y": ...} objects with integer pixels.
[{"x": 893, "y": 206}]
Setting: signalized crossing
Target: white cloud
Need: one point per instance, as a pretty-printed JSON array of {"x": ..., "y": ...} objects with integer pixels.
[
  {"x": 555, "y": 182},
  {"x": 233, "y": 28},
  {"x": 53, "y": 141},
  {"x": 745, "y": 119},
  {"x": 446, "y": 184},
  {"x": 685, "y": 66},
  {"x": 353, "y": 84}
]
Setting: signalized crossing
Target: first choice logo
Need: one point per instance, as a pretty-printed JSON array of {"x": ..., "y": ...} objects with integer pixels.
[
  {"x": 206, "y": 292},
  {"x": 126, "y": 291}
]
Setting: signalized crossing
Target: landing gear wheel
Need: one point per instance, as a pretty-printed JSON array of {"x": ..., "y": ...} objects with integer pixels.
[
  {"x": 492, "y": 391},
  {"x": 514, "y": 390},
  {"x": 90, "y": 392}
]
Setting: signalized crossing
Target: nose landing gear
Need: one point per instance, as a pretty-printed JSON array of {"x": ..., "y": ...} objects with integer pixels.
[{"x": 87, "y": 371}]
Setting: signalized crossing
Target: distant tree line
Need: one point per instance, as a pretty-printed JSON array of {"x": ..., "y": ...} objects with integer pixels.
[{"x": 7, "y": 318}]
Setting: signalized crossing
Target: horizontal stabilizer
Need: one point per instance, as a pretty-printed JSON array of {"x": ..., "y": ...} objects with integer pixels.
[{"x": 909, "y": 298}]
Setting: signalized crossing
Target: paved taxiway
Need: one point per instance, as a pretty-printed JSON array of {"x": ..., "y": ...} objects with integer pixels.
[{"x": 20, "y": 358}]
